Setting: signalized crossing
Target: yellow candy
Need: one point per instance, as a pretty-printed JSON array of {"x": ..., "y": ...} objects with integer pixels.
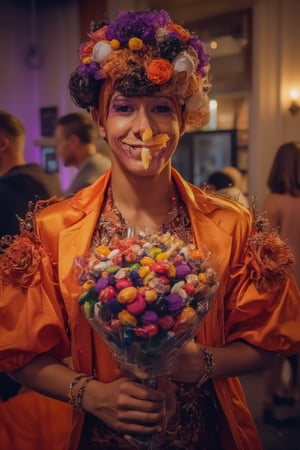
[
  {"x": 202, "y": 278},
  {"x": 172, "y": 270},
  {"x": 102, "y": 250},
  {"x": 143, "y": 271},
  {"x": 187, "y": 314},
  {"x": 196, "y": 254},
  {"x": 127, "y": 295},
  {"x": 126, "y": 318},
  {"x": 150, "y": 295},
  {"x": 87, "y": 285},
  {"x": 162, "y": 255},
  {"x": 148, "y": 278},
  {"x": 154, "y": 251},
  {"x": 146, "y": 261}
]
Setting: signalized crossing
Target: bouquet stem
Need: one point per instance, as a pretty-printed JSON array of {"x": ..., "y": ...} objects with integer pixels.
[{"x": 143, "y": 441}]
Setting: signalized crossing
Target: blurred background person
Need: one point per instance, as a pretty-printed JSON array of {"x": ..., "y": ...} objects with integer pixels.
[
  {"x": 282, "y": 206},
  {"x": 76, "y": 138},
  {"x": 238, "y": 178},
  {"x": 20, "y": 182},
  {"x": 223, "y": 184}
]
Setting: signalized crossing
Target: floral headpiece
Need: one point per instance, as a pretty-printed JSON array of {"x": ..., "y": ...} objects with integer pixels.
[{"x": 144, "y": 53}]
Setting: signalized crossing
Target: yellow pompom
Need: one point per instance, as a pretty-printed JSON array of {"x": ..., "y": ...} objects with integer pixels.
[
  {"x": 135, "y": 44},
  {"x": 115, "y": 44},
  {"x": 86, "y": 60}
]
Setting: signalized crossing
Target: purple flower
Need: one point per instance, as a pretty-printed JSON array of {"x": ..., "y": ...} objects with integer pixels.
[
  {"x": 137, "y": 24},
  {"x": 203, "y": 55},
  {"x": 82, "y": 70}
]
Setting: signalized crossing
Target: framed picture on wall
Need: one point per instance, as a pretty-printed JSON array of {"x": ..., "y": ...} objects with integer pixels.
[{"x": 202, "y": 152}]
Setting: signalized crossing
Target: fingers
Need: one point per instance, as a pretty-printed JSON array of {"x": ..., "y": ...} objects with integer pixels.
[{"x": 131, "y": 408}]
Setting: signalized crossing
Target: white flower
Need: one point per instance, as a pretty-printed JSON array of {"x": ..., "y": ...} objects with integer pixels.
[
  {"x": 101, "y": 51},
  {"x": 183, "y": 63}
]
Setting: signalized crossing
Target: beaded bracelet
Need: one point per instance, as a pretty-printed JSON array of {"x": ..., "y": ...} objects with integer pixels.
[
  {"x": 79, "y": 397},
  {"x": 71, "y": 396},
  {"x": 209, "y": 366}
]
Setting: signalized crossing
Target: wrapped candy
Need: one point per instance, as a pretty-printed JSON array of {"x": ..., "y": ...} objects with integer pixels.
[{"x": 145, "y": 296}]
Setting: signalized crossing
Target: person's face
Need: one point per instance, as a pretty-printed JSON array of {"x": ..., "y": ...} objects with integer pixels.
[
  {"x": 126, "y": 121},
  {"x": 64, "y": 146}
]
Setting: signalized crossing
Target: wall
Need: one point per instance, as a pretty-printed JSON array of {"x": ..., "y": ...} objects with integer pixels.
[
  {"x": 276, "y": 69},
  {"x": 54, "y": 28}
]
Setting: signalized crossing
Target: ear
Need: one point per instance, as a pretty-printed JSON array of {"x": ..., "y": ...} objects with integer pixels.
[
  {"x": 96, "y": 118},
  {"x": 4, "y": 143}
]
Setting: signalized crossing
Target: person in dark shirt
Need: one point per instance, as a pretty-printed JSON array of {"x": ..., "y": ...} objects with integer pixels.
[{"x": 20, "y": 182}]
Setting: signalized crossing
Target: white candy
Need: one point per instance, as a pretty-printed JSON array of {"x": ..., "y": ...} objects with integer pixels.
[{"x": 113, "y": 253}]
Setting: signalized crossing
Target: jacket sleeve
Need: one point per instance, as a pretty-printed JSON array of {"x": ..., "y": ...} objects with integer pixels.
[
  {"x": 32, "y": 319},
  {"x": 262, "y": 303}
]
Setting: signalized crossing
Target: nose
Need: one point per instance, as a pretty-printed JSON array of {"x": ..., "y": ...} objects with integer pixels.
[{"x": 141, "y": 123}]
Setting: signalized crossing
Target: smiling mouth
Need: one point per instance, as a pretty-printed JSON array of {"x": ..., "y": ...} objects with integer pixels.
[{"x": 150, "y": 145}]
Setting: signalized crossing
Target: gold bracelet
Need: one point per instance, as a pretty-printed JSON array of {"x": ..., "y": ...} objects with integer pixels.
[
  {"x": 71, "y": 396},
  {"x": 209, "y": 366},
  {"x": 79, "y": 397}
]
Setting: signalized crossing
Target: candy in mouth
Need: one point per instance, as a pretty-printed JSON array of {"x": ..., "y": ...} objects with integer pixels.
[{"x": 152, "y": 144}]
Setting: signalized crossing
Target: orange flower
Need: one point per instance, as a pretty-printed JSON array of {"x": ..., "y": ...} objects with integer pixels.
[
  {"x": 159, "y": 71},
  {"x": 182, "y": 33},
  {"x": 21, "y": 260},
  {"x": 86, "y": 51},
  {"x": 270, "y": 260},
  {"x": 98, "y": 35}
]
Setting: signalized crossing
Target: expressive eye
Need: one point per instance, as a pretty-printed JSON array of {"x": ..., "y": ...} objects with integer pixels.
[
  {"x": 121, "y": 108},
  {"x": 162, "y": 108}
]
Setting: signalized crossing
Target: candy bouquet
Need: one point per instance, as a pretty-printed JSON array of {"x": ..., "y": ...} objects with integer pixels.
[{"x": 145, "y": 296}]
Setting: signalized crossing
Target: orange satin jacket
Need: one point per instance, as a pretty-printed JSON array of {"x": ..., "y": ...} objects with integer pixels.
[{"x": 42, "y": 318}]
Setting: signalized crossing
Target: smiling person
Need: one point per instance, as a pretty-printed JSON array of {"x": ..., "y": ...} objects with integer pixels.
[{"x": 145, "y": 79}]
